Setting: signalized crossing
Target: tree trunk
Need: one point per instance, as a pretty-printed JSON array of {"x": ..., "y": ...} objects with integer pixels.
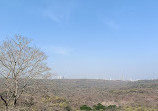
[
  {"x": 16, "y": 92},
  {"x": 6, "y": 108}
]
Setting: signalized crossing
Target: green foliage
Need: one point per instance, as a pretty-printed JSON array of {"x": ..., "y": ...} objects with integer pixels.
[
  {"x": 85, "y": 107},
  {"x": 68, "y": 108},
  {"x": 99, "y": 106},
  {"x": 112, "y": 107}
]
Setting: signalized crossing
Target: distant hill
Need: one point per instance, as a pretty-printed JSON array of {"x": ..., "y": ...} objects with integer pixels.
[{"x": 78, "y": 92}]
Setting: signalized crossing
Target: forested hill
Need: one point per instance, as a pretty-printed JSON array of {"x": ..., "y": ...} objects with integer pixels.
[{"x": 78, "y": 92}]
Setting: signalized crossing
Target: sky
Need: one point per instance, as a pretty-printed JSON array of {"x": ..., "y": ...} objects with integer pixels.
[{"x": 88, "y": 39}]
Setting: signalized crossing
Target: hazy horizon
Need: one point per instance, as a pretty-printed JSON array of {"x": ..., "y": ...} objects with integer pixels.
[{"x": 86, "y": 39}]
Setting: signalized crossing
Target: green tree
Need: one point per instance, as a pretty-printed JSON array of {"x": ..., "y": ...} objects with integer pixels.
[
  {"x": 85, "y": 107},
  {"x": 99, "y": 106}
]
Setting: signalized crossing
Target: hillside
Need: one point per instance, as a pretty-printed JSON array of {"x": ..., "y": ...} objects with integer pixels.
[{"x": 78, "y": 92}]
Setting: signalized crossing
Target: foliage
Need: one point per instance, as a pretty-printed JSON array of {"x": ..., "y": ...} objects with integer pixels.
[
  {"x": 85, "y": 107},
  {"x": 68, "y": 108},
  {"x": 111, "y": 107},
  {"x": 69, "y": 95},
  {"x": 99, "y": 106}
]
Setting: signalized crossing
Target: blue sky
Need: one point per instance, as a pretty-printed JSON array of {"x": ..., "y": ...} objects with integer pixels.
[{"x": 115, "y": 39}]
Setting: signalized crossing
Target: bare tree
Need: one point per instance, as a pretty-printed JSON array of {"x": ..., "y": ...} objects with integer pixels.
[{"x": 19, "y": 63}]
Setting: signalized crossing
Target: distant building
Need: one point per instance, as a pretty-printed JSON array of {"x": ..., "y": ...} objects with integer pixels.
[{"x": 60, "y": 77}]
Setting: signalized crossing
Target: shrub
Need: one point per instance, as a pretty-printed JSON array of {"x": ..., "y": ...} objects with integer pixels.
[
  {"x": 68, "y": 108},
  {"x": 111, "y": 107},
  {"x": 85, "y": 107},
  {"x": 99, "y": 106}
]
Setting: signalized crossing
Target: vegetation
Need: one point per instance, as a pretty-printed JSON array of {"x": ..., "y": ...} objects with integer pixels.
[
  {"x": 19, "y": 63},
  {"x": 99, "y": 107},
  {"x": 85, "y": 107},
  {"x": 24, "y": 86},
  {"x": 70, "y": 95}
]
